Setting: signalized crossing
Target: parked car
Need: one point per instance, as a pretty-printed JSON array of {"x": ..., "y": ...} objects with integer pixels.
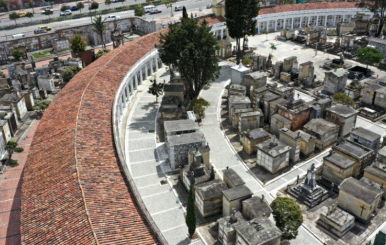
[
  {"x": 23, "y": 13},
  {"x": 66, "y": 12},
  {"x": 112, "y": 17},
  {"x": 74, "y": 8},
  {"x": 45, "y": 9},
  {"x": 47, "y": 28},
  {"x": 39, "y": 31},
  {"x": 155, "y": 11},
  {"x": 178, "y": 8}
]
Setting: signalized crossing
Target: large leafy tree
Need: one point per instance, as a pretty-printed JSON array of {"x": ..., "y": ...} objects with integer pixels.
[
  {"x": 198, "y": 106},
  {"x": 370, "y": 55},
  {"x": 190, "y": 219},
  {"x": 100, "y": 28},
  {"x": 288, "y": 216},
  {"x": 78, "y": 44},
  {"x": 14, "y": 16},
  {"x": 80, "y": 6},
  {"x": 191, "y": 48},
  {"x": 156, "y": 89},
  {"x": 377, "y": 7},
  {"x": 138, "y": 11},
  {"x": 240, "y": 18}
]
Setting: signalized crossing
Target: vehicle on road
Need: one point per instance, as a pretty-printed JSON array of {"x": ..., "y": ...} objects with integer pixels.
[
  {"x": 66, "y": 12},
  {"x": 39, "y": 31},
  {"x": 155, "y": 11},
  {"x": 178, "y": 8},
  {"x": 23, "y": 13},
  {"x": 46, "y": 9},
  {"x": 112, "y": 17},
  {"x": 18, "y": 36},
  {"x": 149, "y": 8},
  {"x": 74, "y": 8},
  {"x": 47, "y": 28},
  {"x": 115, "y": 1}
]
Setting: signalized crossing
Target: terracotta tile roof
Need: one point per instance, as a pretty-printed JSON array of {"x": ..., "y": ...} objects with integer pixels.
[
  {"x": 74, "y": 191},
  {"x": 306, "y": 6}
]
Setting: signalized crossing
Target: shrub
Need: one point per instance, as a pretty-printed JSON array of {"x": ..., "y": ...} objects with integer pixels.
[
  {"x": 13, "y": 162},
  {"x": 94, "y": 5},
  {"x": 78, "y": 44},
  {"x": 42, "y": 104},
  {"x": 63, "y": 8},
  {"x": 19, "y": 149},
  {"x": 102, "y": 52},
  {"x": 12, "y": 144},
  {"x": 70, "y": 72},
  {"x": 247, "y": 61},
  {"x": 17, "y": 54},
  {"x": 342, "y": 98},
  {"x": 139, "y": 11}
]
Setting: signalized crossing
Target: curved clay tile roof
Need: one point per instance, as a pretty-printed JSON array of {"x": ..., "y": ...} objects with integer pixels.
[
  {"x": 306, "y": 6},
  {"x": 74, "y": 191}
]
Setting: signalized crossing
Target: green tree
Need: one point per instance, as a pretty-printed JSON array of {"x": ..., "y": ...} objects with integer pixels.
[
  {"x": 169, "y": 4},
  {"x": 190, "y": 47},
  {"x": 138, "y": 11},
  {"x": 63, "y": 8},
  {"x": 49, "y": 12},
  {"x": 29, "y": 15},
  {"x": 80, "y": 6},
  {"x": 272, "y": 47},
  {"x": 184, "y": 13},
  {"x": 240, "y": 19},
  {"x": 198, "y": 106},
  {"x": 156, "y": 89},
  {"x": 17, "y": 54},
  {"x": 100, "y": 28},
  {"x": 70, "y": 72},
  {"x": 342, "y": 98},
  {"x": 108, "y": 2},
  {"x": 380, "y": 238},
  {"x": 78, "y": 44},
  {"x": 14, "y": 16},
  {"x": 370, "y": 55},
  {"x": 190, "y": 219},
  {"x": 102, "y": 52},
  {"x": 94, "y": 5},
  {"x": 376, "y": 7},
  {"x": 288, "y": 216}
]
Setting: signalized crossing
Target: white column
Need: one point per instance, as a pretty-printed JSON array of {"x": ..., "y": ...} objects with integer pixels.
[
  {"x": 131, "y": 87},
  {"x": 317, "y": 20},
  {"x": 151, "y": 67},
  {"x": 325, "y": 20},
  {"x": 343, "y": 17},
  {"x": 334, "y": 20},
  {"x": 136, "y": 80},
  {"x": 284, "y": 23},
  {"x": 275, "y": 27},
  {"x": 140, "y": 75},
  {"x": 301, "y": 22},
  {"x": 146, "y": 70},
  {"x": 123, "y": 100},
  {"x": 127, "y": 91},
  {"x": 156, "y": 63},
  {"x": 292, "y": 23},
  {"x": 308, "y": 21}
]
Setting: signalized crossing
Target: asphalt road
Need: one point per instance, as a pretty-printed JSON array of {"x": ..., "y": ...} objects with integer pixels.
[{"x": 191, "y": 6}]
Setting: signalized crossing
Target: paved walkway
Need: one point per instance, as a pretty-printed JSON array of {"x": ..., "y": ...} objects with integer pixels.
[
  {"x": 145, "y": 162},
  {"x": 10, "y": 190}
]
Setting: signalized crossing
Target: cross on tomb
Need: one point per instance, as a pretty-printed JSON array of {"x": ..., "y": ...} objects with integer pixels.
[{"x": 363, "y": 208}]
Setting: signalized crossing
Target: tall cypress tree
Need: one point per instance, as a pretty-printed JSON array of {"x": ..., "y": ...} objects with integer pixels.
[
  {"x": 190, "y": 219},
  {"x": 240, "y": 18},
  {"x": 184, "y": 13},
  {"x": 380, "y": 238}
]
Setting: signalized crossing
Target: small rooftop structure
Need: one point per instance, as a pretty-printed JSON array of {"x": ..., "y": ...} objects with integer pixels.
[
  {"x": 211, "y": 189},
  {"x": 319, "y": 126},
  {"x": 231, "y": 178},
  {"x": 258, "y": 231},
  {"x": 182, "y": 139},
  {"x": 342, "y": 110},
  {"x": 174, "y": 87},
  {"x": 340, "y": 161},
  {"x": 237, "y": 192},
  {"x": 366, "y": 134},
  {"x": 256, "y": 133},
  {"x": 180, "y": 126},
  {"x": 273, "y": 147},
  {"x": 255, "y": 207},
  {"x": 360, "y": 190}
]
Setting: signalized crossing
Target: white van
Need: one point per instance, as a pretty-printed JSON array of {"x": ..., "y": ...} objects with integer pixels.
[
  {"x": 149, "y": 8},
  {"x": 18, "y": 36}
]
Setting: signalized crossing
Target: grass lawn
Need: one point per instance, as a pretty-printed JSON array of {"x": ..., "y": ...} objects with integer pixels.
[{"x": 41, "y": 54}]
